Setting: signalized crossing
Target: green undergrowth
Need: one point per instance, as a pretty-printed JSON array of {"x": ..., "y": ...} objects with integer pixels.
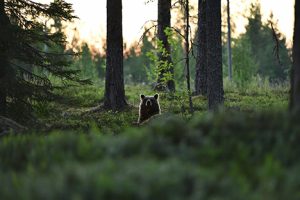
[
  {"x": 81, "y": 106},
  {"x": 227, "y": 155},
  {"x": 248, "y": 150}
]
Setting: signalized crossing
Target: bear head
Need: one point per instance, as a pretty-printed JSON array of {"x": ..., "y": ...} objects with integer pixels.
[{"x": 149, "y": 106}]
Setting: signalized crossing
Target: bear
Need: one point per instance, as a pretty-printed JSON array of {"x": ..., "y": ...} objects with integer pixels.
[{"x": 149, "y": 107}]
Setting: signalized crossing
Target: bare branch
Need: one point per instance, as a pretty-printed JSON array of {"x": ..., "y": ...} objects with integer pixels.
[
  {"x": 145, "y": 33},
  {"x": 277, "y": 44}
]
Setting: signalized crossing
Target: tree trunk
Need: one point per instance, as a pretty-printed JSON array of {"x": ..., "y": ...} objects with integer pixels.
[
  {"x": 187, "y": 59},
  {"x": 3, "y": 85},
  {"x": 114, "y": 82},
  {"x": 201, "y": 59},
  {"x": 3, "y": 59},
  {"x": 164, "y": 21},
  {"x": 214, "y": 55},
  {"x": 295, "y": 76},
  {"x": 229, "y": 42}
]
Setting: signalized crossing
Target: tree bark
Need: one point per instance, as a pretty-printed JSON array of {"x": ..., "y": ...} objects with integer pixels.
[
  {"x": 295, "y": 76},
  {"x": 114, "y": 82},
  {"x": 229, "y": 42},
  {"x": 164, "y": 21},
  {"x": 187, "y": 58},
  {"x": 201, "y": 59},
  {"x": 3, "y": 85},
  {"x": 3, "y": 58},
  {"x": 214, "y": 55}
]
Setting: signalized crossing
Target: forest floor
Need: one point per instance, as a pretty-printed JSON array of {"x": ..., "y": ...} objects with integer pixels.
[
  {"x": 81, "y": 107},
  {"x": 249, "y": 150}
]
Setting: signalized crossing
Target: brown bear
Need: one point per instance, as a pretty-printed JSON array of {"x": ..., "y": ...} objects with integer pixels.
[{"x": 149, "y": 106}]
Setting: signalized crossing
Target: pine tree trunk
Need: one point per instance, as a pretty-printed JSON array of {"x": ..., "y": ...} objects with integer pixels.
[
  {"x": 229, "y": 42},
  {"x": 201, "y": 61},
  {"x": 164, "y": 21},
  {"x": 3, "y": 85},
  {"x": 3, "y": 59},
  {"x": 295, "y": 79},
  {"x": 2, "y": 88},
  {"x": 114, "y": 82},
  {"x": 187, "y": 58},
  {"x": 214, "y": 55}
]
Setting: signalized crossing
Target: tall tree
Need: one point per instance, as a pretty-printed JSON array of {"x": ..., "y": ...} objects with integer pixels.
[
  {"x": 229, "y": 41},
  {"x": 214, "y": 54},
  {"x": 22, "y": 40},
  {"x": 164, "y": 56},
  {"x": 201, "y": 61},
  {"x": 4, "y": 37},
  {"x": 295, "y": 80},
  {"x": 261, "y": 38},
  {"x": 114, "y": 81},
  {"x": 187, "y": 50}
]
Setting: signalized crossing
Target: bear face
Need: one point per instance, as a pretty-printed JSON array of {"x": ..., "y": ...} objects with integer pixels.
[{"x": 149, "y": 106}]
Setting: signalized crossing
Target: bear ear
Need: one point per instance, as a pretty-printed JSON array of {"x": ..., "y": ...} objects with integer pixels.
[
  {"x": 156, "y": 96},
  {"x": 142, "y": 96}
]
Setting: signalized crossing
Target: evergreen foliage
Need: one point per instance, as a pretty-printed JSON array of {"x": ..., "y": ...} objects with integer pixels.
[
  {"x": 138, "y": 68},
  {"x": 257, "y": 53},
  {"x": 244, "y": 64},
  {"x": 88, "y": 66},
  {"x": 263, "y": 43},
  {"x": 27, "y": 64}
]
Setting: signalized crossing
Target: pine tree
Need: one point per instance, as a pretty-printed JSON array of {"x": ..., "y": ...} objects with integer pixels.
[
  {"x": 187, "y": 50},
  {"x": 114, "y": 81},
  {"x": 295, "y": 76},
  {"x": 166, "y": 65},
  {"x": 229, "y": 41},
  {"x": 4, "y": 63},
  {"x": 201, "y": 59},
  {"x": 214, "y": 54},
  {"x": 22, "y": 36}
]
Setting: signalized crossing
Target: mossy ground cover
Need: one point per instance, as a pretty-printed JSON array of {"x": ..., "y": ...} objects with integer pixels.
[
  {"x": 81, "y": 106},
  {"x": 249, "y": 150}
]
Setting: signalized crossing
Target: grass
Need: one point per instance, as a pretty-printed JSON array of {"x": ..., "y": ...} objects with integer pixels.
[{"x": 75, "y": 111}]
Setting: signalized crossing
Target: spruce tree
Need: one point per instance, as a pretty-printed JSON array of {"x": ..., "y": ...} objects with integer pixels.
[
  {"x": 262, "y": 42},
  {"x": 25, "y": 65}
]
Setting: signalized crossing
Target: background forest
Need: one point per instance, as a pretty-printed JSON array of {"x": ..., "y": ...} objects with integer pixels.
[
  {"x": 229, "y": 123},
  {"x": 253, "y": 56}
]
